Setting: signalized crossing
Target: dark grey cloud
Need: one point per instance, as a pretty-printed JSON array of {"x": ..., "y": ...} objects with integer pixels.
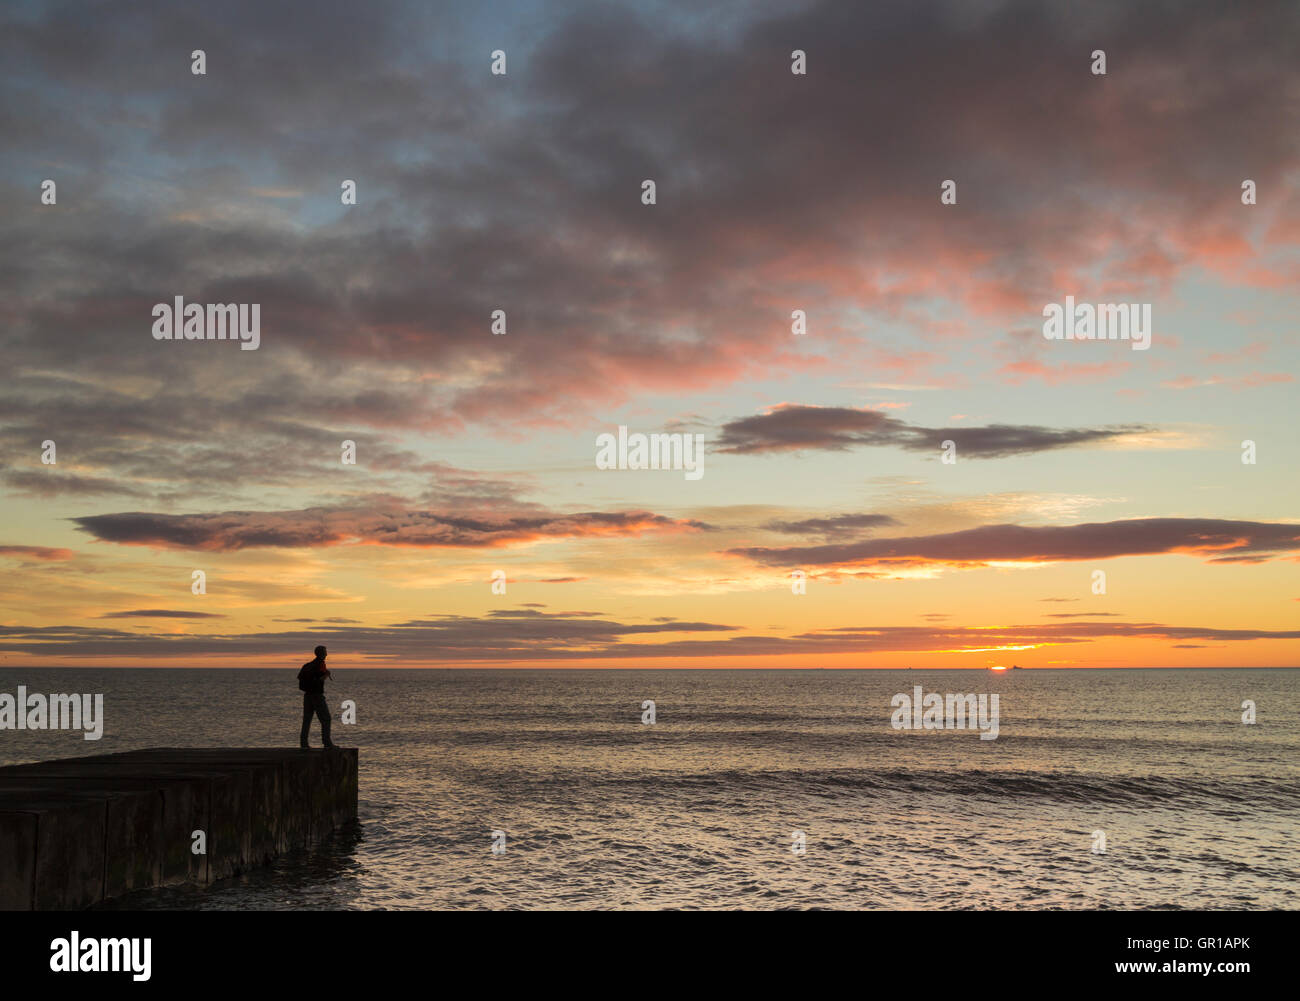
[
  {"x": 390, "y": 525},
  {"x": 161, "y": 613},
  {"x": 795, "y": 427},
  {"x": 1215, "y": 540}
]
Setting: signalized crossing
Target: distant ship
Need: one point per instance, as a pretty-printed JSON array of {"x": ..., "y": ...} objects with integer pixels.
[{"x": 1016, "y": 667}]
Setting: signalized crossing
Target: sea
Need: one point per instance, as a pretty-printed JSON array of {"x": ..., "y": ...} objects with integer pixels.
[{"x": 751, "y": 789}]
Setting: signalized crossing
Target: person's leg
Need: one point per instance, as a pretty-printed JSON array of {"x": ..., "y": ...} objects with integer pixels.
[
  {"x": 307, "y": 706},
  {"x": 323, "y": 714}
]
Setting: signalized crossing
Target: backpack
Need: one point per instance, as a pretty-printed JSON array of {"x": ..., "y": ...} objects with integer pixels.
[{"x": 304, "y": 676}]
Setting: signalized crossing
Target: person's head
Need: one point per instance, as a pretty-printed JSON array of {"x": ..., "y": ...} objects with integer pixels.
[{"x": 320, "y": 653}]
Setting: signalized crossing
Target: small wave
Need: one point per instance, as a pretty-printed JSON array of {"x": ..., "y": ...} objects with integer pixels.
[{"x": 1053, "y": 786}]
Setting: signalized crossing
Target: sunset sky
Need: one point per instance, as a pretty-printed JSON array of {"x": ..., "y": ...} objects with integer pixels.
[{"x": 775, "y": 192}]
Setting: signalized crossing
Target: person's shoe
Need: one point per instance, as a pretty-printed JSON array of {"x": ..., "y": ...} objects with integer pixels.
[
  {"x": 331, "y": 745},
  {"x": 304, "y": 747}
]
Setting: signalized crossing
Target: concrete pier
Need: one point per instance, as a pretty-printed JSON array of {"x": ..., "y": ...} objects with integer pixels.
[{"x": 80, "y": 830}]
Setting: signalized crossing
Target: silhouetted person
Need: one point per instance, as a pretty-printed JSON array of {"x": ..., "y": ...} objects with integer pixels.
[{"x": 311, "y": 679}]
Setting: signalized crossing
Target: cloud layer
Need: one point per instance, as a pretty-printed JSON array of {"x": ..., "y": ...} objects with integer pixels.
[{"x": 530, "y": 636}]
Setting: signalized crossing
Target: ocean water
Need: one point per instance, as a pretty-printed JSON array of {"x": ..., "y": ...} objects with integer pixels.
[{"x": 699, "y": 809}]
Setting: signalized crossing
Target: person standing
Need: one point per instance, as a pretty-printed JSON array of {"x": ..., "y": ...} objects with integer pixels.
[{"x": 311, "y": 679}]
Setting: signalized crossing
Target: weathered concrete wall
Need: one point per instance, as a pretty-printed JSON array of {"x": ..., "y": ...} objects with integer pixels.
[{"x": 80, "y": 830}]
